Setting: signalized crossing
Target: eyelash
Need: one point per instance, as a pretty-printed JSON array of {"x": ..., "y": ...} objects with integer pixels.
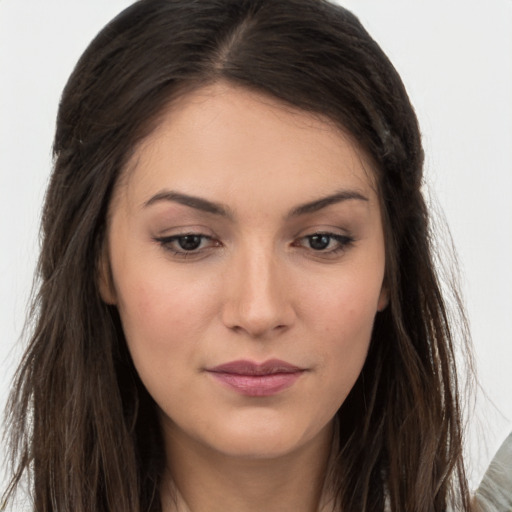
[
  {"x": 342, "y": 241},
  {"x": 167, "y": 243}
]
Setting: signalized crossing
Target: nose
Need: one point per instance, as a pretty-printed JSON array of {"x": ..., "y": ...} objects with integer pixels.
[{"x": 258, "y": 296}]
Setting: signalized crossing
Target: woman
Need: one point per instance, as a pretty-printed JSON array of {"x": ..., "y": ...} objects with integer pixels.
[{"x": 238, "y": 306}]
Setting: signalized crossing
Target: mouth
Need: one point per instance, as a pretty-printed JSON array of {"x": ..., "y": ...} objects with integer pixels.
[{"x": 257, "y": 379}]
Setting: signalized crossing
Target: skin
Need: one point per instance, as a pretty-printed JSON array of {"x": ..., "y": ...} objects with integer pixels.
[{"x": 256, "y": 288}]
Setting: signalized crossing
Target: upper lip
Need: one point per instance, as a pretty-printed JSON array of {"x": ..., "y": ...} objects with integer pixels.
[{"x": 244, "y": 367}]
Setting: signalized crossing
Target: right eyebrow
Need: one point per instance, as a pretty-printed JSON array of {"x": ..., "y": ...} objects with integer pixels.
[{"x": 198, "y": 203}]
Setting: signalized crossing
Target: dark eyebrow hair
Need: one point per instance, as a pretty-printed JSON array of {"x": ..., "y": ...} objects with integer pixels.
[
  {"x": 197, "y": 203},
  {"x": 205, "y": 205},
  {"x": 318, "y": 204}
]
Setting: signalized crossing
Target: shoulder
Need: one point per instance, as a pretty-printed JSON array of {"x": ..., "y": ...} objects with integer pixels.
[{"x": 495, "y": 491}]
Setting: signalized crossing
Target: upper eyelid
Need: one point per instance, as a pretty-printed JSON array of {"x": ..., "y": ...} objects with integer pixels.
[
  {"x": 184, "y": 233},
  {"x": 178, "y": 229},
  {"x": 325, "y": 230}
]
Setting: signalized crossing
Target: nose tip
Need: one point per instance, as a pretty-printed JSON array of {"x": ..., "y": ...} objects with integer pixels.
[
  {"x": 256, "y": 322},
  {"x": 257, "y": 301}
]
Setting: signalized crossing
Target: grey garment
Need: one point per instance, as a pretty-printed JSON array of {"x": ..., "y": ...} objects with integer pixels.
[{"x": 495, "y": 492}]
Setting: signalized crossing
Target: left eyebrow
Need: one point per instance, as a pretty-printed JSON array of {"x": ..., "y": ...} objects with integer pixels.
[{"x": 324, "y": 202}]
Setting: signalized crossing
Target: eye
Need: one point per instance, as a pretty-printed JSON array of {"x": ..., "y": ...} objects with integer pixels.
[
  {"x": 187, "y": 244},
  {"x": 320, "y": 241},
  {"x": 326, "y": 243}
]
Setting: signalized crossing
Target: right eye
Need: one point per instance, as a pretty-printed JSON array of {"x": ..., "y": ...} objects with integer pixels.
[{"x": 187, "y": 244}]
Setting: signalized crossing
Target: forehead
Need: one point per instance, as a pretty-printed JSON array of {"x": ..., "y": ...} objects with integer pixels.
[{"x": 221, "y": 139}]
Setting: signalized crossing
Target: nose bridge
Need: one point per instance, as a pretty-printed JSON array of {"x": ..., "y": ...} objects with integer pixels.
[{"x": 257, "y": 300}]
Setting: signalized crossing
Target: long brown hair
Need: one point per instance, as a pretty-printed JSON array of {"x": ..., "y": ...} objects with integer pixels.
[{"x": 81, "y": 424}]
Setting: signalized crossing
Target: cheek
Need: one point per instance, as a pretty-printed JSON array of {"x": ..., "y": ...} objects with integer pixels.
[
  {"x": 163, "y": 318},
  {"x": 151, "y": 297},
  {"x": 343, "y": 308},
  {"x": 343, "y": 315}
]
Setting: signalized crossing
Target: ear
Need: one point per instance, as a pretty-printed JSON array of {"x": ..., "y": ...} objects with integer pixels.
[
  {"x": 383, "y": 298},
  {"x": 104, "y": 278}
]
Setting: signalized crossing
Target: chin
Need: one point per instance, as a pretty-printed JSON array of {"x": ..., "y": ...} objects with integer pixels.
[
  {"x": 257, "y": 446},
  {"x": 262, "y": 438}
]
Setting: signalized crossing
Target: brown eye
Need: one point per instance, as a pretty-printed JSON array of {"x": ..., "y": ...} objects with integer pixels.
[
  {"x": 189, "y": 242},
  {"x": 328, "y": 244},
  {"x": 319, "y": 242}
]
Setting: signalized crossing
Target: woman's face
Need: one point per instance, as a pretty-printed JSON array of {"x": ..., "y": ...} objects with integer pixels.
[{"x": 247, "y": 258}]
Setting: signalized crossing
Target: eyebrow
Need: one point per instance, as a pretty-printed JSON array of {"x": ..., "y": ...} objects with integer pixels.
[
  {"x": 199, "y": 203},
  {"x": 324, "y": 202}
]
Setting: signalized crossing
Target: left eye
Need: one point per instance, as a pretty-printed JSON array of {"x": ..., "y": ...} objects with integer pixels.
[{"x": 325, "y": 242}]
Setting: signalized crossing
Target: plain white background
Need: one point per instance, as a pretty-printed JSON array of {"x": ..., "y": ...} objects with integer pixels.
[{"x": 455, "y": 57}]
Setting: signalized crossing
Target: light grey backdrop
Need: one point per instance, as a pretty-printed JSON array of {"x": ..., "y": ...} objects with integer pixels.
[{"x": 455, "y": 57}]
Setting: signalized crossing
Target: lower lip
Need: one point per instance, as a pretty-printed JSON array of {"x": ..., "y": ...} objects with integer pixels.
[{"x": 258, "y": 385}]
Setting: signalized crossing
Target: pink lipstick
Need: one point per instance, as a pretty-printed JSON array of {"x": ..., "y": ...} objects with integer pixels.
[{"x": 257, "y": 379}]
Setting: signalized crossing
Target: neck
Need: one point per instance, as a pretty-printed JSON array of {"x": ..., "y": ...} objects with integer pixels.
[{"x": 201, "y": 479}]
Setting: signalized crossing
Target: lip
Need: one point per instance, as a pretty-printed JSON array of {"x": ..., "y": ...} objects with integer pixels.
[{"x": 257, "y": 379}]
